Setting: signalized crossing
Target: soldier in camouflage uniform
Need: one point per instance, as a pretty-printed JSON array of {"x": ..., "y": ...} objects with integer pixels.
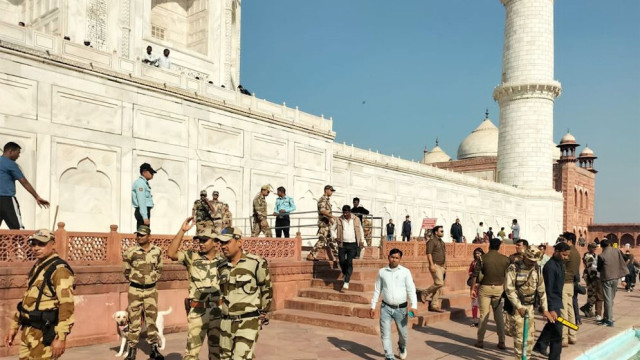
[
  {"x": 325, "y": 220},
  {"x": 202, "y": 213},
  {"x": 203, "y": 312},
  {"x": 595, "y": 295},
  {"x": 246, "y": 297},
  {"x": 227, "y": 218},
  {"x": 44, "y": 324},
  {"x": 142, "y": 266},
  {"x": 217, "y": 212},
  {"x": 260, "y": 223},
  {"x": 523, "y": 282}
]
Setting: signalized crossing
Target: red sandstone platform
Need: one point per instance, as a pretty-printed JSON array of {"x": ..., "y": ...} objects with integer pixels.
[{"x": 443, "y": 340}]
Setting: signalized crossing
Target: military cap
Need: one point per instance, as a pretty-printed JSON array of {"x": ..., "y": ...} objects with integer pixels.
[
  {"x": 215, "y": 193},
  {"x": 206, "y": 234},
  {"x": 533, "y": 253},
  {"x": 228, "y": 233},
  {"x": 43, "y": 235},
  {"x": 329, "y": 187},
  {"x": 147, "y": 167},
  {"x": 266, "y": 187},
  {"x": 143, "y": 230},
  {"x": 203, "y": 192},
  {"x": 592, "y": 245}
]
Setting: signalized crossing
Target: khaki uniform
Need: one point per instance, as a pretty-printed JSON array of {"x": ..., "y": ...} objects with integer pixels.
[
  {"x": 227, "y": 219},
  {"x": 366, "y": 225},
  {"x": 246, "y": 292},
  {"x": 31, "y": 338},
  {"x": 572, "y": 267},
  {"x": 324, "y": 235},
  {"x": 203, "y": 317},
  {"x": 521, "y": 286},
  {"x": 217, "y": 215},
  {"x": 493, "y": 267},
  {"x": 260, "y": 223},
  {"x": 203, "y": 216},
  {"x": 142, "y": 270},
  {"x": 595, "y": 295},
  {"x": 437, "y": 249}
]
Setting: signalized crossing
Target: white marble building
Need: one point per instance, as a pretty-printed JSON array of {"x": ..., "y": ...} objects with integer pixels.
[{"x": 88, "y": 116}]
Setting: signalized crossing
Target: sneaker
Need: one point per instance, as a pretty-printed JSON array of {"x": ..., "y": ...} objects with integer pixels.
[
  {"x": 598, "y": 318},
  {"x": 543, "y": 352},
  {"x": 403, "y": 353},
  {"x": 608, "y": 323},
  {"x": 345, "y": 286}
]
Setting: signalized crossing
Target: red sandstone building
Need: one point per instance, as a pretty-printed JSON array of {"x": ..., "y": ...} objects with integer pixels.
[{"x": 574, "y": 176}]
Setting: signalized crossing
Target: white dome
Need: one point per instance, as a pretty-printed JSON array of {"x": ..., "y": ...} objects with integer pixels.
[
  {"x": 586, "y": 152},
  {"x": 483, "y": 141},
  {"x": 436, "y": 155},
  {"x": 568, "y": 139}
]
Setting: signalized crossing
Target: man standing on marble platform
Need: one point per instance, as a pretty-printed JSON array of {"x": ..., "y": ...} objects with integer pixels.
[
  {"x": 201, "y": 213},
  {"x": 141, "y": 197},
  {"x": 260, "y": 223}
]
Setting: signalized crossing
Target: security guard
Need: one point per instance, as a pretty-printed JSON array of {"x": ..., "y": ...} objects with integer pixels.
[
  {"x": 595, "y": 295},
  {"x": 217, "y": 212},
  {"x": 523, "y": 284},
  {"x": 142, "y": 266},
  {"x": 246, "y": 297},
  {"x": 45, "y": 314},
  {"x": 325, "y": 220},
  {"x": 227, "y": 218},
  {"x": 202, "y": 213},
  {"x": 521, "y": 246},
  {"x": 260, "y": 223},
  {"x": 141, "y": 197},
  {"x": 203, "y": 313}
]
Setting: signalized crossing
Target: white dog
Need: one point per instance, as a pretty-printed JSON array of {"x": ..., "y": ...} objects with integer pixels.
[{"x": 122, "y": 325}]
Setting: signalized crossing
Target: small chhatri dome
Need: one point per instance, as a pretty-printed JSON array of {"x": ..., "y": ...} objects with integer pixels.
[
  {"x": 567, "y": 139},
  {"x": 587, "y": 153},
  {"x": 483, "y": 141},
  {"x": 436, "y": 155}
]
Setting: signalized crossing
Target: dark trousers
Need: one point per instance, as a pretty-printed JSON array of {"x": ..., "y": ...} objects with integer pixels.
[
  {"x": 346, "y": 253},
  {"x": 10, "y": 212},
  {"x": 139, "y": 219},
  {"x": 406, "y": 237},
  {"x": 282, "y": 226},
  {"x": 576, "y": 307},
  {"x": 550, "y": 337}
]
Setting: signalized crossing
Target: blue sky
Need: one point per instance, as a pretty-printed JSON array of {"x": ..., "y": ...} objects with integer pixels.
[{"x": 396, "y": 75}]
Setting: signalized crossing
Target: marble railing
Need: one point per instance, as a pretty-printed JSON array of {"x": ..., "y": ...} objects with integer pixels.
[{"x": 94, "y": 248}]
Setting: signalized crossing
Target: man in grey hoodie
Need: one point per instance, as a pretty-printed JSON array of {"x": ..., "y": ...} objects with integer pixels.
[{"x": 612, "y": 267}]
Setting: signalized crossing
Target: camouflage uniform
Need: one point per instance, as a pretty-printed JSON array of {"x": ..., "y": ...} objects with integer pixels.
[
  {"x": 142, "y": 269},
  {"x": 204, "y": 294},
  {"x": 595, "y": 295},
  {"x": 217, "y": 214},
  {"x": 227, "y": 218},
  {"x": 324, "y": 235},
  {"x": 246, "y": 291},
  {"x": 367, "y": 227},
  {"x": 260, "y": 223},
  {"x": 31, "y": 339},
  {"x": 521, "y": 285},
  {"x": 203, "y": 216}
]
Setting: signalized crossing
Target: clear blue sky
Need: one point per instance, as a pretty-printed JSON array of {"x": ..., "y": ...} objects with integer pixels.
[{"x": 427, "y": 69}]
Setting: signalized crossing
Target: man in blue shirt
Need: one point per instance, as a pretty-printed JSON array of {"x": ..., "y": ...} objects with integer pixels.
[
  {"x": 9, "y": 173},
  {"x": 284, "y": 206},
  {"x": 141, "y": 197}
]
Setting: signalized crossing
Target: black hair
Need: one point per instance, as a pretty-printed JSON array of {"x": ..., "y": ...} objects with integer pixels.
[
  {"x": 524, "y": 242},
  {"x": 11, "y": 146},
  {"x": 569, "y": 236},
  {"x": 281, "y": 188},
  {"x": 478, "y": 249},
  {"x": 561, "y": 246},
  {"x": 356, "y": 198},
  {"x": 395, "y": 251},
  {"x": 604, "y": 243},
  {"x": 515, "y": 221},
  {"x": 481, "y": 223},
  {"x": 494, "y": 244},
  {"x": 346, "y": 208},
  {"x": 435, "y": 228}
]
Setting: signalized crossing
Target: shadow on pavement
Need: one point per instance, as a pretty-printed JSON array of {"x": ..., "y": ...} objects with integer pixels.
[
  {"x": 462, "y": 347},
  {"x": 359, "y": 350}
]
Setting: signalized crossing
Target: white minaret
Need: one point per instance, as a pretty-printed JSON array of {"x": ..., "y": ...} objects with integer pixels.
[{"x": 526, "y": 94}]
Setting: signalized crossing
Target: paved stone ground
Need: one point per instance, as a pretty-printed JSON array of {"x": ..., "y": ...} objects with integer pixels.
[{"x": 444, "y": 340}]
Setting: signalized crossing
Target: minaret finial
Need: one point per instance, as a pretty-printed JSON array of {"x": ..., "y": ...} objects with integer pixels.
[
  {"x": 567, "y": 130},
  {"x": 436, "y": 141},
  {"x": 486, "y": 113}
]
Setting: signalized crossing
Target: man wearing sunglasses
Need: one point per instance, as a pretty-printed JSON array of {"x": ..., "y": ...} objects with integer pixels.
[
  {"x": 142, "y": 267},
  {"x": 45, "y": 314},
  {"x": 203, "y": 313}
]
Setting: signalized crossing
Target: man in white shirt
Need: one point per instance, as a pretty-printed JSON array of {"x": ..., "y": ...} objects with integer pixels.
[
  {"x": 396, "y": 284},
  {"x": 480, "y": 232},
  {"x": 149, "y": 58},
  {"x": 164, "y": 61},
  {"x": 349, "y": 235}
]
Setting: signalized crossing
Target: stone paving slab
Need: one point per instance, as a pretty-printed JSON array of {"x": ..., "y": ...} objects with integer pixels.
[{"x": 445, "y": 340}]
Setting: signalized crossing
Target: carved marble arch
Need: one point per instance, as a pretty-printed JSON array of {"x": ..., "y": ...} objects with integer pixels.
[
  {"x": 85, "y": 197},
  {"x": 181, "y": 23},
  {"x": 42, "y": 15},
  {"x": 167, "y": 200},
  {"x": 307, "y": 203},
  {"x": 227, "y": 194}
]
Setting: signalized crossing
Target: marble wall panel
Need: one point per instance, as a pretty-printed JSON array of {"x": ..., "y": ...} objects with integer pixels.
[
  {"x": 269, "y": 149},
  {"x": 220, "y": 138},
  {"x": 86, "y": 110},
  {"x": 160, "y": 126},
  {"x": 309, "y": 157},
  {"x": 306, "y": 192},
  {"x": 19, "y": 96},
  {"x": 227, "y": 181}
]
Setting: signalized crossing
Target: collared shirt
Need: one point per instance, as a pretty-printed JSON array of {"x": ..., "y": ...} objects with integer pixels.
[
  {"x": 164, "y": 62},
  {"x": 151, "y": 59},
  {"x": 142, "y": 267},
  {"x": 395, "y": 285},
  {"x": 480, "y": 231},
  {"x": 204, "y": 281},
  {"x": 9, "y": 173},
  {"x": 572, "y": 265},
  {"x": 141, "y": 197},
  {"x": 437, "y": 249},
  {"x": 553, "y": 273},
  {"x": 284, "y": 203},
  {"x": 259, "y": 206},
  {"x": 493, "y": 268},
  {"x": 348, "y": 230},
  {"x": 515, "y": 228},
  {"x": 245, "y": 286}
]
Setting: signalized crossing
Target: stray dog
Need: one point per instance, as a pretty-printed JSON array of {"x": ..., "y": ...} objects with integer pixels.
[{"x": 122, "y": 326}]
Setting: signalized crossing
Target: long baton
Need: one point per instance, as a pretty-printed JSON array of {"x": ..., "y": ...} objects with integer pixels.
[
  {"x": 525, "y": 335},
  {"x": 55, "y": 218}
]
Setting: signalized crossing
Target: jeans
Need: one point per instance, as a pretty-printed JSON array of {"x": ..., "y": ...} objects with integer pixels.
[
  {"x": 458, "y": 239},
  {"x": 551, "y": 336},
  {"x": 389, "y": 237},
  {"x": 609, "y": 289},
  {"x": 400, "y": 317},
  {"x": 346, "y": 253}
]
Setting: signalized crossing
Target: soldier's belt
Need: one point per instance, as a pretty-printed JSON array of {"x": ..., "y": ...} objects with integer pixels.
[
  {"x": 400, "y": 306},
  {"x": 218, "y": 218},
  {"x": 142, "y": 286},
  {"x": 202, "y": 304},
  {"x": 243, "y": 316}
]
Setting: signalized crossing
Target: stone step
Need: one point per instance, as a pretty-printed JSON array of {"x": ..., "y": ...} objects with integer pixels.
[
  {"x": 357, "y": 286},
  {"x": 366, "y": 274},
  {"x": 328, "y": 307},
  {"x": 349, "y": 323},
  {"x": 348, "y": 296}
]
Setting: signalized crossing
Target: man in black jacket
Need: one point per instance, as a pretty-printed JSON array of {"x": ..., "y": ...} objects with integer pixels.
[
  {"x": 406, "y": 229},
  {"x": 456, "y": 231},
  {"x": 553, "y": 273}
]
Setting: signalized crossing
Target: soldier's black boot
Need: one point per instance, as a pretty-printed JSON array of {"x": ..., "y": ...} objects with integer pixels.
[
  {"x": 155, "y": 353},
  {"x": 131, "y": 353}
]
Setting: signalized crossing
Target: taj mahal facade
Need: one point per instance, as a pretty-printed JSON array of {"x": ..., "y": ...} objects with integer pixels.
[{"x": 87, "y": 112}]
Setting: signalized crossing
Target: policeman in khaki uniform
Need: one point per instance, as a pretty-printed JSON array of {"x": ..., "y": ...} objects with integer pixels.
[
  {"x": 217, "y": 212},
  {"x": 46, "y": 320},
  {"x": 203, "y": 313},
  {"x": 227, "y": 217},
  {"x": 142, "y": 266},
  {"x": 246, "y": 297},
  {"x": 202, "y": 213},
  {"x": 523, "y": 283},
  {"x": 325, "y": 220},
  {"x": 260, "y": 223}
]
